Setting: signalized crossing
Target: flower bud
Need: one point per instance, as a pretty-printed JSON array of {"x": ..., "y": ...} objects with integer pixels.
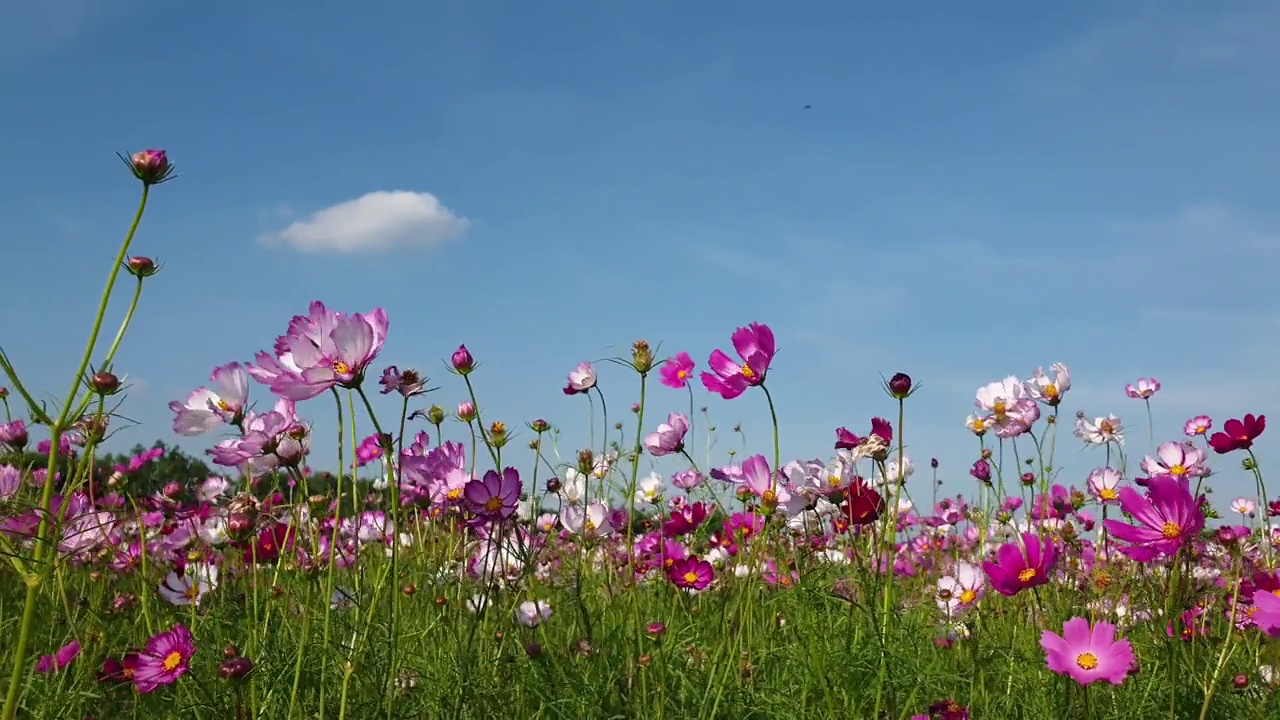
[
  {"x": 104, "y": 383},
  {"x": 150, "y": 166},
  {"x": 586, "y": 461},
  {"x": 435, "y": 415},
  {"x": 141, "y": 267},
  {"x": 656, "y": 630},
  {"x": 899, "y": 386},
  {"x": 533, "y": 650},
  {"x": 554, "y": 485},
  {"x": 4, "y": 392},
  {"x": 641, "y": 357},
  {"x": 498, "y": 434},
  {"x": 1240, "y": 682},
  {"x": 539, "y": 426},
  {"x": 462, "y": 361},
  {"x": 1028, "y": 479},
  {"x": 172, "y": 490},
  {"x": 466, "y": 411},
  {"x": 235, "y": 669},
  {"x": 14, "y": 434},
  {"x": 230, "y": 651}
]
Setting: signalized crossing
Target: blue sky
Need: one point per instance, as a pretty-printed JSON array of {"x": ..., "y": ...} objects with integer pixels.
[{"x": 971, "y": 194}]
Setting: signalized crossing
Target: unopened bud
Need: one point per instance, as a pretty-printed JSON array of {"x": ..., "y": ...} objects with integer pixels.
[
  {"x": 899, "y": 386},
  {"x": 104, "y": 383},
  {"x": 235, "y": 669},
  {"x": 586, "y": 461},
  {"x": 641, "y": 357},
  {"x": 435, "y": 415},
  {"x": 150, "y": 166},
  {"x": 141, "y": 267}
]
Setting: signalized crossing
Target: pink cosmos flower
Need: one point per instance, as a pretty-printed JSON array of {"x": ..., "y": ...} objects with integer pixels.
[
  {"x": 757, "y": 478},
  {"x": 1177, "y": 459},
  {"x": 669, "y": 439},
  {"x": 1014, "y": 571},
  {"x": 690, "y": 573},
  {"x": 581, "y": 379},
  {"x": 59, "y": 660},
  {"x": 676, "y": 371},
  {"x": 1197, "y": 426},
  {"x": 1266, "y": 612},
  {"x": 206, "y": 409},
  {"x": 10, "y": 481},
  {"x": 495, "y": 497},
  {"x": 1143, "y": 389},
  {"x": 686, "y": 479},
  {"x": 14, "y": 434},
  {"x": 1099, "y": 430},
  {"x": 1104, "y": 485},
  {"x": 755, "y": 345},
  {"x": 1087, "y": 654},
  {"x": 321, "y": 350},
  {"x": 1169, "y": 518},
  {"x": 271, "y": 440},
  {"x": 164, "y": 660}
]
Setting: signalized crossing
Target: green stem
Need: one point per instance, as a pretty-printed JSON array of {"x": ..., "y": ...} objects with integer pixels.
[
  {"x": 777, "y": 442},
  {"x": 33, "y": 582},
  {"x": 333, "y": 554}
]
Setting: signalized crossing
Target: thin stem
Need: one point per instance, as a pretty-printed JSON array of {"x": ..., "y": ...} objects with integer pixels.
[{"x": 34, "y": 581}]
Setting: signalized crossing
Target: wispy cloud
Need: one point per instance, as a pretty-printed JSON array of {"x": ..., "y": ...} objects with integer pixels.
[{"x": 375, "y": 222}]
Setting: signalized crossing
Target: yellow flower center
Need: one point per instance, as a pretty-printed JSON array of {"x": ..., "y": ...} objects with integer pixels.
[
  {"x": 171, "y": 661},
  {"x": 1106, "y": 428},
  {"x": 589, "y": 526},
  {"x": 453, "y": 495},
  {"x": 1108, "y": 494},
  {"x": 1243, "y": 438},
  {"x": 1102, "y": 580},
  {"x": 493, "y": 504},
  {"x": 1170, "y": 530},
  {"x": 682, "y": 374},
  {"x": 691, "y": 577},
  {"x": 968, "y": 596},
  {"x": 1000, "y": 409},
  {"x": 1177, "y": 470},
  {"x": 747, "y": 372},
  {"x": 1027, "y": 575},
  {"x": 979, "y": 425},
  {"x": 833, "y": 481},
  {"x": 1276, "y": 593},
  {"x": 784, "y": 580},
  {"x": 1087, "y": 661},
  {"x": 769, "y": 497},
  {"x": 223, "y": 406},
  {"x": 192, "y": 592},
  {"x": 1051, "y": 390},
  {"x": 341, "y": 368}
]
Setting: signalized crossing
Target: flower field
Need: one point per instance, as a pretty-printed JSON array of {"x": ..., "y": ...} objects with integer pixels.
[{"x": 441, "y": 569}]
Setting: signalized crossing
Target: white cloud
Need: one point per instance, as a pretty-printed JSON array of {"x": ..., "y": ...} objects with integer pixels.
[{"x": 378, "y": 221}]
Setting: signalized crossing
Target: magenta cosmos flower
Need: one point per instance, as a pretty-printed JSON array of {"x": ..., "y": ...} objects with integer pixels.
[
  {"x": 1168, "y": 518},
  {"x": 495, "y": 496},
  {"x": 1088, "y": 654},
  {"x": 755, "y": 345},
  {"x": 321, "y": 350},
  {"x": 669, "y": 439},
  {"x": 164, "y": 660},
  {"x": 59, "y": 660},
  {"x": 1266, "y": 611},
  {"x": 690, "y": 573},
  {"x": 208, "y": 408},
  {"x": 1238, "y": 434},
  {"x": 1014, "y": 571},
  {"x": 676, "y": 371}
]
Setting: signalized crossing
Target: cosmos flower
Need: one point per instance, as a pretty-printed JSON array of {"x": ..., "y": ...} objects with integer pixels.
[
  {"x": 1238, "y": 434},
  {"x": 676, "y": 372},
  {"x": 164, "y": 660},
  {"x": 1104, "y": 485},
  {"x": 321, "y": 350},
  {"x": 960, "y": 591},
  {"x": 1088, "y": 654},
  {"x": 1177, "y": 459},
  {"x": 1049, "y": 390},
  {"x": 1197, "y": 426},
  {"x": 189, "y": 587},
  {"x": 756, "y": 346},
  {"x": 669, "y": 438},
  {"x": 1100, "y": 430},
  {"x": 206, "y": 409},
  {"x": 1015, "y": 570},
  {"x": 495, "y": 496},
  {"x": 581, "y": 379},
  {"x": 532, "y": 613},
  {"x": 691, "y": 573},
  {"x": 1143, "y": 389},
  {"x": 1168, "y": 517},
  {"x": 59, "y": 660}
]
